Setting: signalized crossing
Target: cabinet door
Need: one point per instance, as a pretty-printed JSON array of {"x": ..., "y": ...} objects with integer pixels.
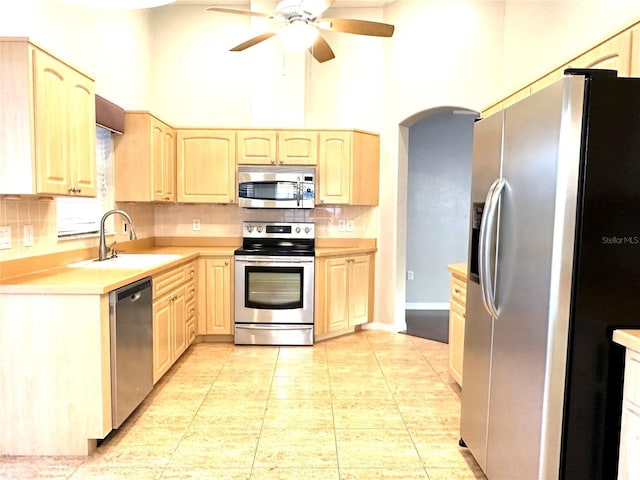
[
  {"x": 162, "y": 161},
  {"x": 162, "y": 343},
  {"x": 334, "y": 165},
  {"x": 358, "y": 290},
  {"x": 51, "y": 125},
  {"x": 206, "y": 161},
  {"x": 298, "y": 148},
  {"x": 336, "y": 294},
  {"x": 179, "y": 324},
  {"x": 456, "y": 340},
  {"x": 82, "y": 134},
  {"x": 257, "y": 147},
  {"x": 614, "y": 54},
  {"x": 218, "y": 296}
]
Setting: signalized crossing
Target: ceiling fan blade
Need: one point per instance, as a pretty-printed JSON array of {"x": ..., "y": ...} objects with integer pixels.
[
  {"x": 241, "y": 12},
  {"x": 321, "y": 50},
  {"x": 253, "y": 41},
  {"x": 359, "y": 27}
]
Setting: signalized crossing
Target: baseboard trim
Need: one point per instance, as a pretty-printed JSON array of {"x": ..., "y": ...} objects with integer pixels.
[{"x": 426, "y": 306}]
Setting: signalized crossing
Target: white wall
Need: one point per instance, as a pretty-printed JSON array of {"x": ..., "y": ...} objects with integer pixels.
[
  {"x": 445, "y": 53},
  {"x": 540, "y": 36}
]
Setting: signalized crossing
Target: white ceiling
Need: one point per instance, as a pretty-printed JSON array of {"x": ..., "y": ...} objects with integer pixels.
[{"x": 245, "y": 3}]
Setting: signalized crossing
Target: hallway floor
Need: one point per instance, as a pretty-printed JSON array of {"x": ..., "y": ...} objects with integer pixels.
[{"x": 372, "y": 405}]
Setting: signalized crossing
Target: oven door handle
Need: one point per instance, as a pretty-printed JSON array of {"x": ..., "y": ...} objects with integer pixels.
[
  {"x": 275, "y": 327},
  {"x": 272, "y": 260}
]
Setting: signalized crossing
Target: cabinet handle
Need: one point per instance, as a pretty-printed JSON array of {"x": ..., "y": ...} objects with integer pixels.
[
  {"x": 456, "y": 290},
  {"x": 226, "y": 262},
  {"x": 273, "y": 161},
  {"x": 73, "y": 190},
  {"x": 78, "y": 190},
  {"x": 192, "y": 272},
  {"x": 193, "y": 292},
  {"x": 322, "y": 200},
  {"x": 192, "y": 310}
]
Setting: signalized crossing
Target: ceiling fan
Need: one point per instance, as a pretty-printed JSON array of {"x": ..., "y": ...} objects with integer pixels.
[{"x": 304, "y": 17}]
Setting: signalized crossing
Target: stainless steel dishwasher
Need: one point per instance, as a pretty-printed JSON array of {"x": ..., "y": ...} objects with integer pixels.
[{"x": 131, "y": 326}]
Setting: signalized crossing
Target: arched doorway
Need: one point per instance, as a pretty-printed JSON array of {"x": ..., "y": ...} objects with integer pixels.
[{"x": 437, "y": 213}]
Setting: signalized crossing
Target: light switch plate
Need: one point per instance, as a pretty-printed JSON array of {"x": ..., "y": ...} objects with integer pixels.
[
  {"x": 28, "y": 236},
  {"x": 341, "y": 225},
  {"x": 5, "y": 237},
  {"x": 195, "y": 226}
]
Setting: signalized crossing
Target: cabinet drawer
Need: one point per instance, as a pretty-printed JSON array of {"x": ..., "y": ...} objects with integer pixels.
[
  {"x": 458, "y": 290},
  {"x": 167, "y": 281}
]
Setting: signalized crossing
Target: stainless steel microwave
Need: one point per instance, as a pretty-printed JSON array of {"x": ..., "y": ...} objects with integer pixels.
[{"x": 276, "y": 187}]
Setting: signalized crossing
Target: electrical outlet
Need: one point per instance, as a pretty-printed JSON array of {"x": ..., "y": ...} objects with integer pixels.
[
  {"x": 28, "y": 236},
  {"x": 195, "y": 226},
  {"x": 409, "y": 274},
  {"x": 341, "y": 225},
  {"x": 350, "y": 225},
  {"x": 5, "y": 237}
]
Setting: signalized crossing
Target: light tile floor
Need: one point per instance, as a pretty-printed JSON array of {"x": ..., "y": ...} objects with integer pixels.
[{"x": 367, "y": 406}]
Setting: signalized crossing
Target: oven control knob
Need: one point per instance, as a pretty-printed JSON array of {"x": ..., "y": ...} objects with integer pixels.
[
  {"x": 307, "y": 229},
  {"x": 297, "y": 229},
  {"x": 249, "y": 228},
  {"x": 259, "y": 228}
]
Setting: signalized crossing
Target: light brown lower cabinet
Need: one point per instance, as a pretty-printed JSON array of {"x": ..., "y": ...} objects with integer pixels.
[
  {"x": 216, "y": 295},
  {"x": 344, "y": 292},
  {"x": 457, "y": 306},
  {"x": 174, "y": 316}
]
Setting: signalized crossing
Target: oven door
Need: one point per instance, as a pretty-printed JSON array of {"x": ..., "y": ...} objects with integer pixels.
[{"x": 270, "y": 290}]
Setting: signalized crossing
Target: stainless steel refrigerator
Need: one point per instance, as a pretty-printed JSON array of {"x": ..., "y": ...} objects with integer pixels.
[{"x": 554, "y": 268}]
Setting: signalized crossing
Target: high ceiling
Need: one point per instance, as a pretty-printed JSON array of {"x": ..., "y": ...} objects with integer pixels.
[{"x": 245, "y": 3}]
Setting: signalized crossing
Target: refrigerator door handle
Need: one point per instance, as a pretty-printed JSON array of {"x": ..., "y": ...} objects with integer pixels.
[{"x": 487, "y": 226}]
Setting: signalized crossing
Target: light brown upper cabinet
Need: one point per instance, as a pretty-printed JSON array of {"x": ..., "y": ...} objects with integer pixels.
[
  {"x": 348, "y": 168},
  {"x": 614, "y": 54},
  {"x": 145, "y": 160},
  {"x": 620, "y": 52},
  {"x": 206, "y": 166},
  {"x": 47, "y": 124},
  {"x": 277, "y": 147}
]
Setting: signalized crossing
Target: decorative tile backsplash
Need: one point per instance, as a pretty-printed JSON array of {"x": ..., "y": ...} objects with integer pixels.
[{"x": 169, "y": 220}]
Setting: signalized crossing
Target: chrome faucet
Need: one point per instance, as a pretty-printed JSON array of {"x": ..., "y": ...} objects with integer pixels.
[{"x": 103, "y": 250}]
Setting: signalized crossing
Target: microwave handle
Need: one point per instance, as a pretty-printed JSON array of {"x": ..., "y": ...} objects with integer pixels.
[{"x": 299, "y": 193}]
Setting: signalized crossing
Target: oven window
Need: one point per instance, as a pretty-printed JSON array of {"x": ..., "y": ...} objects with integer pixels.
[
  {"x": 273, "y": 287},
  {"x": 269, "y": 190}
]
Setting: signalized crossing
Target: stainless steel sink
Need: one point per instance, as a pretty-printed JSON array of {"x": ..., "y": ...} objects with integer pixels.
[{"x": 129, "y": 261}]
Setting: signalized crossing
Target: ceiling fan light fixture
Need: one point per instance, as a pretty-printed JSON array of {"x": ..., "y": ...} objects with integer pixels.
[{"x": 298, "y": 35}]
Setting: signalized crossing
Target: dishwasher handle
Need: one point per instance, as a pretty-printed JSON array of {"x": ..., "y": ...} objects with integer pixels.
[{"x": 135, "y": 297}]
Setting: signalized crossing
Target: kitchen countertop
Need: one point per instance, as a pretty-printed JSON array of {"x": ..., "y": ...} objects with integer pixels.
[
  {"x": 458, "y": 268},
  {"x": 98, "y": 281},
  {"x": 628, "y": 338}
]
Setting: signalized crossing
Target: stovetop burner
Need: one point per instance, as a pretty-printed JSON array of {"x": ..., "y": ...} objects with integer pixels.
[{"x": 277, "y": 239}]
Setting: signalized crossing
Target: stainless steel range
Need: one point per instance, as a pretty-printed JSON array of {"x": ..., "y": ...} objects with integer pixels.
[{"x": 274, "y": 284}]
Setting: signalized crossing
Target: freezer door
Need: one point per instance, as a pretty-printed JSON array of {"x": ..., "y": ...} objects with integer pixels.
[
  {"x": 487, "y": 143},
  {"x": 524, "y": 361}
]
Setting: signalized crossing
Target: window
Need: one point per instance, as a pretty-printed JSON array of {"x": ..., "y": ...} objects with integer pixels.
[{"x": 79, "y": 216}]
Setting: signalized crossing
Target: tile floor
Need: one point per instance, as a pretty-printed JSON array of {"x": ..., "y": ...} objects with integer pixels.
[{"x": 372, "y": 405}]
